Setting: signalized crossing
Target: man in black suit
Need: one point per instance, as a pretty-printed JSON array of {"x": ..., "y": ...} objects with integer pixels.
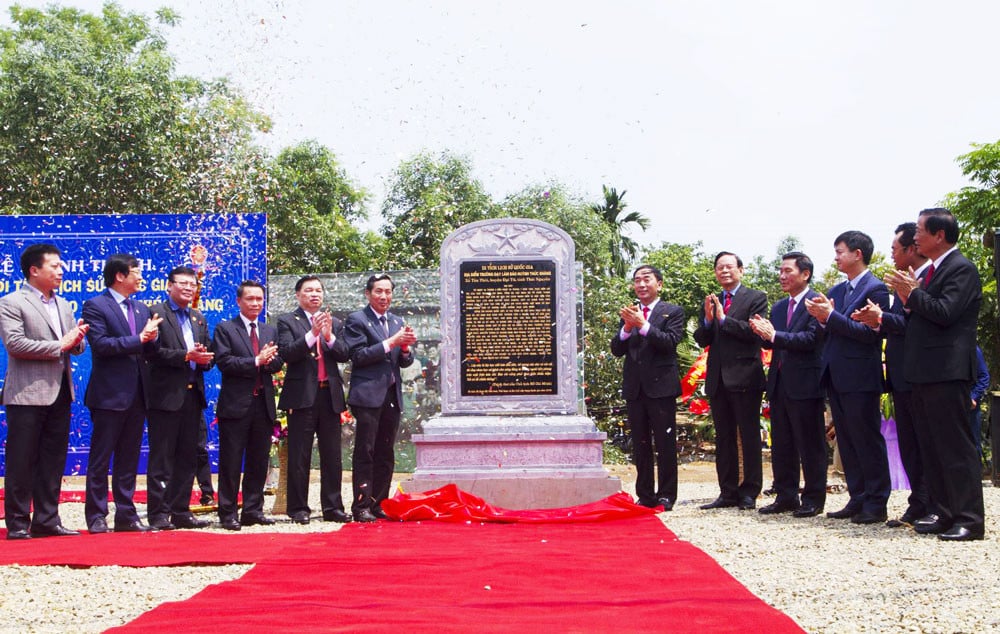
[
  {"x": 39, "y": 333},
  {"x": 852, "y": 374},
  {"x": 311, "y": 342},
  {"x": 940, "y": 362},
  {"x": 122, "y": 332},
  {"x": 176, "y": 398},
  {"x": 892, "y": 324},
  {"x": 379, "y": 345},
  {"x": 647, "y": 337},
  {"x": 794, "y": 391},
  {"x": 247, "y": 356},
  {"x": 734, "y": 381}
]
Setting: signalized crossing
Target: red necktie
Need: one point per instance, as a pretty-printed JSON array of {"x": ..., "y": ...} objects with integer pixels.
[
  {"x": 727, "y": 302},
  {"x": 321, "y": 374},
  {"x": 929, "y": 275},
  {"x": 791, "y": 311},
  {"x": 255, "y": 345},
  {"x": 645, "y": 313}
]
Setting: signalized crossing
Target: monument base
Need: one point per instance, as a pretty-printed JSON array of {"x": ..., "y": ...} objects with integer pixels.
[{"x": 514, "y": 462}]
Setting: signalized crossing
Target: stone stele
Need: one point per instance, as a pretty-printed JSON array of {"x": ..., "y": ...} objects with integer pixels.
[{"x": 512, "y": 428}]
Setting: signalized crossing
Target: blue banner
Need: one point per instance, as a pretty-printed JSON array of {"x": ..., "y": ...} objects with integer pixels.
[{"x": 223, "y": 249}]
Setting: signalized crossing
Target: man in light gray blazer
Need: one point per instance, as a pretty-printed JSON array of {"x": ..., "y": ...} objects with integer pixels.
[{"x": 39, "y": 333}]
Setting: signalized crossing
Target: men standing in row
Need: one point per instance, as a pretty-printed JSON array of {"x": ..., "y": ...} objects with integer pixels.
[
  {"x": 852, "y": 373},
  {"x": 379, "y": 345},
  {"x": 39, "y": 333},
  {"x": 795, "y": 393},
  {"x": 247, "y": 356},
  {"x": 892, "y": 323},
  {"x": 647, "y": 338},
  {"x": 176, "y": 399},
  {"x": 940, "y": 363},
  {"x": 734, "y": 381},
  {"x": 122, "y": 332},
  {"x": 311, "y": 342}
]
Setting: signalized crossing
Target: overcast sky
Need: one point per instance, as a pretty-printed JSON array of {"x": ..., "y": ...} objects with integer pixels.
[{"x": 730, "y": 122}]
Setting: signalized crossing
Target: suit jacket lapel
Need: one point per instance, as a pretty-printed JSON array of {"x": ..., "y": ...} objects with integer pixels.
[
  {"x": 115, "y": 308},
  {"x": 36, "y": 303}
]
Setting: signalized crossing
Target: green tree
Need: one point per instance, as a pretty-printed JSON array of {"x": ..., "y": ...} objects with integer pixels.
[
  {"x": 977, "y": 208},
  {"x": 94, "y": 121},
  {"x": 762, "y": 274},
  {"x": 428, "y": 198},
  {"x": 312, "y": 210},
  {"x": 688, "y": 274},
  {"x": 612, "y": 212},
  {"x": 551, "y": 203}
]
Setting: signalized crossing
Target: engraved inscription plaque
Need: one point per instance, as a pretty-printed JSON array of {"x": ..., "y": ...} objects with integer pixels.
[{"x": 508, "y": 328}]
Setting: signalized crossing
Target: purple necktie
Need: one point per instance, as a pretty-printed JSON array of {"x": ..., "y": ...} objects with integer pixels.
[
  {"x": 131, "y": 316},
  {"x": 791, "y": 311}
]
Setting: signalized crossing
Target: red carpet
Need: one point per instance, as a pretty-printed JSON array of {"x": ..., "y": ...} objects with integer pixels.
[{"x": 630, "y": 575}]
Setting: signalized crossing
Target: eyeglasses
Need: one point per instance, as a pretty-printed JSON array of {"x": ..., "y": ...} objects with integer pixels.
[{"x": 185, "y": 284}]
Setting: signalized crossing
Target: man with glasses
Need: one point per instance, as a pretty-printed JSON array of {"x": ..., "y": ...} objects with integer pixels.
[
  {"x": 176, "y": 400},
  {"x": 122, "y": 331}
]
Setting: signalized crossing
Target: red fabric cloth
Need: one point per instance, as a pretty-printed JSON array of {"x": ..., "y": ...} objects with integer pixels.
[
  {"x": 451, "y": 504},
  {"x": 632, "y": 575}
]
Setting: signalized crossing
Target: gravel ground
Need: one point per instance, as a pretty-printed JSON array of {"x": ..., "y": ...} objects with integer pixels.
[{"x": 828, "y": 575}]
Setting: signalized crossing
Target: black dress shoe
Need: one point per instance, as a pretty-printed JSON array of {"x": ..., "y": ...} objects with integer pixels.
[
  {"x": 867, "y": 517},
  {"x": 377, "y": 511},
  {"x": 189, "y": 521},
  {"x": 336, "y": 515},
  {"x": 845, "y": 513},
  {"x": 364, "y": 515},
  {"x": 162, "y": 524},
  {"x": 777, "y": 507},
  {"x": 135, "y": 526},
  {"x": 746, "y": 503},
  {"x": 98, "y": 526},
  {"x": 962, "y": 534},
  {"x": 56, "y": 531},
  {"x": 718, "y": 503},
  {"x": 930, "y": 525},
  {"x": 18, "y": 534},
  {"x": 807, "y": 510},
  {"x": 910, "y": 516},
  {"x": 230, "y": 524},
  {"x": 300, "y": 518},
  {"x": 666, "y": 503},
  {"x": 207, "y": 499},
  {"x": 253, "y": 520}
]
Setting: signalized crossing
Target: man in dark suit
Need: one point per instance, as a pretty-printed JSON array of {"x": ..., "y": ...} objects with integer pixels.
[
  {"x": 121, "y": 332},
  {"x": 734, "y": 381},
  {"x": 647, "y": 337},
  {"x": 852, "y": 374},
  {"x": 247, "y": 356},
  {"x": 892, "y": 324},
  {"x": 940, "y": 362},
  {"x": 795, "y": 393},
  {"x": 311, "y": 342},
  {"x": 176, "y": 399},
  {"x": 379, "y": 345},
  {"x": 39, "y": 333}
]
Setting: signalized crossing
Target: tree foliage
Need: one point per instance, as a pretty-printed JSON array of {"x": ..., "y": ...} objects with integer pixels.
[
  {"x": 977, "y": 208},
  {"x": 94, "y": 121},
  {"x": 428, "y": 198},
  {"x": 623, "y": 249},
  {"x": 311, "y": 211}
]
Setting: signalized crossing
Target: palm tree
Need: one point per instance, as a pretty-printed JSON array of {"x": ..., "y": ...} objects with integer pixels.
[{"x": 623, "y": 248}]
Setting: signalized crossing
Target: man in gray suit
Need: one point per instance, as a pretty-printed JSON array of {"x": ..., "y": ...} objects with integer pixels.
[{"x": 39, "y": 333}]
